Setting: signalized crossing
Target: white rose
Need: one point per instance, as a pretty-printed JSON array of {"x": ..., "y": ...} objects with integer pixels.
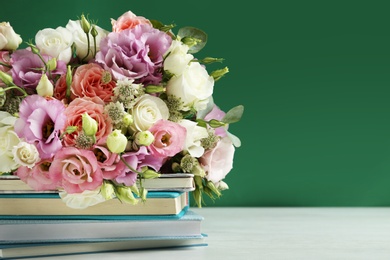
[
  {"x": 194, "y": 134},
  {"x": 80, "y": 39},
  {"x": 8, "y": 139},
  {"x": 82, "y": 200},
  {"x": 25, "y": 154},
  {"x": 178, "y": 58},
  {"x": 55, "y": 43},
  {"x": 195, "y": 86},
  {"x": 9, "y": 40},
  {"x": 219, "y": 161},
  {"x": 148, "y": 110}
]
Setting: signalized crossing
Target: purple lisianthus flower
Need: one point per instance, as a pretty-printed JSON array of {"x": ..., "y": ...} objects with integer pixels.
[
  {"x": 27, "y": 69},
  {"x": 137, "y": 160},
  {"x": 40, "y": 121},
  {"x": 135, "y": 54}
]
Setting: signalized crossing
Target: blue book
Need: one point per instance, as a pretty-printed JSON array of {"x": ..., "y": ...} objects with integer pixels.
[
  {"x": 50, "y": 205},
  {"x": 18, "y": 251},
  {"x": 13, "y": 231}
]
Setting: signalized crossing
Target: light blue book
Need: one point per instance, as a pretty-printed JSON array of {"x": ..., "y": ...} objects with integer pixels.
[
  {"x": 50, "y": 205},
  {"x": 12, "y": 251},
  {"x": 78, "y": 230}
]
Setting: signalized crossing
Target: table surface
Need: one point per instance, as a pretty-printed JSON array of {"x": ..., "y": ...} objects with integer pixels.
[{"x": 279, "y": 233}]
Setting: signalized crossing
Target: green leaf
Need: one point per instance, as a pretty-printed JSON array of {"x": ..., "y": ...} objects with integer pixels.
[
  {"x": 196, "y": 34},
  {"x": 157, "y": 24},
  {"x": 233, "y": 115}
]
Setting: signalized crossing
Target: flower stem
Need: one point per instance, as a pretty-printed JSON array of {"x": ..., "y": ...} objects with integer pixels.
[
  {"x": 18, "y": 88},
  {"x": 89, "y": 47},
  {"x": 5, "y": 65}
]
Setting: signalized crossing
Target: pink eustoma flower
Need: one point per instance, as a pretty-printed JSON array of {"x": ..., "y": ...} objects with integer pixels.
[
  {"x": 169, "y": 138},
  {"x": 39, "y": 177},
  {"x": 79, "y": 169},
  {"x": 41, "y": 120},
  {"x": 137, "y": 160},
  {"x": 135, "y": 53}
]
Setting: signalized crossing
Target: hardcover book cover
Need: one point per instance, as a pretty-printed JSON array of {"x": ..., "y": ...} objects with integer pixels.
[
  {"x": 11, "y": 251},
  {"x": 57, "y": 230},
  {"x": 50, "y": 204}
]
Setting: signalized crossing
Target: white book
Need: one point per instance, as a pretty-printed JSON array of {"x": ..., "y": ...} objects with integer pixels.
[{"x": 124, "y": 244}]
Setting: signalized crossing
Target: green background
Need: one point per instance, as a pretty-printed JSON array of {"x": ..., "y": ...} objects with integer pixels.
[{"x": 313, "y": 77}]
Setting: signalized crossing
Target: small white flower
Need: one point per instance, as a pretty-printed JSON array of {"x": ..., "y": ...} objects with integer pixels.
[{"x": 25, "y": 154}]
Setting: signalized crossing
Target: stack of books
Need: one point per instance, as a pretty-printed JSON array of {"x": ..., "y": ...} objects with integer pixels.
[{"x": 40, "y": 224}]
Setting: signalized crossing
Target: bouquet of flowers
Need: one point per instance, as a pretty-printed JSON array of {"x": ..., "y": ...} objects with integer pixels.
[{"x": 91, "y": 112}]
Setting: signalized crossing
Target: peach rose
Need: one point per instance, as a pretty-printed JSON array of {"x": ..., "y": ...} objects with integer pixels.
[
  {"x": 94, "y": 107},
  {"x": 91, "y": 80},
  {"x": 128, "y": 20},
  {"x": 60, "y": 88}
]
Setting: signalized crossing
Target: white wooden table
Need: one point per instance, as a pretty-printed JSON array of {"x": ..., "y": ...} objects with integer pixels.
[{"x": 280, "y": 233}]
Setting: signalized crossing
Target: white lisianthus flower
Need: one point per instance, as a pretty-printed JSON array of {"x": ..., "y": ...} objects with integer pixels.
[
  {"x": 55, "y": 43},
  {"x": 178, "y": 58},
  {"x": 9, "y": 40},
  {"x": 194, "y": 134},
  {"x": 82, "y": 200},
  {"x": 148, "y": 110},
  {"x": 80, "y": 39},
  {"x": 25, "y": 154},
  {"x": 194, "y": 87},
  {"x": 8, "y": 139}
]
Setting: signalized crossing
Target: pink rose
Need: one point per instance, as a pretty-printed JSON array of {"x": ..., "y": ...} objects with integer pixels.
[
  {"x": 128, "y": 20},
  {"x": 169, "y": 138},
  {"x": 91, "y": 80},
  {"x": 94, "y": 107},
  {"x": 39, "y": 177},
  {"x": 218, "y": 161},
  {"x": 79, "y": 169}
]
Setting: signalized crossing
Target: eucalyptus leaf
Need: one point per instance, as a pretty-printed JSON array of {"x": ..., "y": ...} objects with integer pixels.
[
  {"x": 233, "y": 115},
  {"x": 235, "y": 140},
  {"x": 195, "y": 33}
]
